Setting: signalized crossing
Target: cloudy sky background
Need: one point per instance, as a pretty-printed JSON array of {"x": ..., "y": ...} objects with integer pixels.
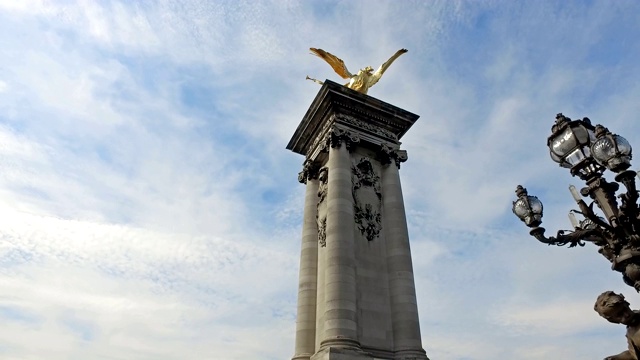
[{"x": 149, "y": 209}]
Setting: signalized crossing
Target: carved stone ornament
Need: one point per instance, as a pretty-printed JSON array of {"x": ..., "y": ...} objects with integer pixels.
[
  {"x": 367, "y": 199},
  {"x": 385, "y": 153},
  {"x": 337, "y": 136},
  {"x": 309, "y": 171},
  {"x": 365, "y": 126},
  {"x": 369, "y": 221},
  {"x": 322, "y": 232},
  {"x": 401, "y": 156},
  {"x": 322, "y": 136},
  {"x": 323, "y": 177},
  {"x": 321, "y": 214},
  {"x": 365, "y": 176},
  {"x": 388, "y": 152},
  {"x": 615, "y": 309}
]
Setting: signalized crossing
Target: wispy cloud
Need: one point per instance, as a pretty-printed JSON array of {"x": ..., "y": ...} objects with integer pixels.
[{"x": 150, "y": 210}]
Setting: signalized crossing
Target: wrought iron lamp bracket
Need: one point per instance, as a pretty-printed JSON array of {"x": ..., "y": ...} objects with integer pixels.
[
  {"x": 588, "y": 152},
  {"x": 573, "y": 238}
]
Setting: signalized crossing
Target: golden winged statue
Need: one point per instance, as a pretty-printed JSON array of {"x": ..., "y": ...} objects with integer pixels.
[{"x": 364, "y": 79}]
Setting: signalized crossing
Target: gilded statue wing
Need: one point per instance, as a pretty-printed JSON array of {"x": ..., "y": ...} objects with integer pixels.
[
  {"x": 336, "y": 63},
  {"x": 378, "y": 74}
]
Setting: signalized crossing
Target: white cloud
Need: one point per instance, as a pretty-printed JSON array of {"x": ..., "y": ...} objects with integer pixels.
[
  {"x": 150, "y": 209},
  {"x": 130, "y": 291},
  {"x": 550, "y": 319}
]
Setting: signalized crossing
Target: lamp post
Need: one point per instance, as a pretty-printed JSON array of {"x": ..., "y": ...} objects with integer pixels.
[{"x": 587, "y": 152}]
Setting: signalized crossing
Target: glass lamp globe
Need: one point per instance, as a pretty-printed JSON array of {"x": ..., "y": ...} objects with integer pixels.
[
  {"x": 527, "y": 208},
  {"x": 570, "y": 142},
  {"x": 610, "y": 150}
]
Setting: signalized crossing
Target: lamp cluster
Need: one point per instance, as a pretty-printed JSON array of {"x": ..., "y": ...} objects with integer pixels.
[{"x": 588, "y": 152}]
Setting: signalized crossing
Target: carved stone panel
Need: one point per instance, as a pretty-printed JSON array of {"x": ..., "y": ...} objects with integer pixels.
[
  {"x": 369, "y": 221},
  {"x": 321, "y": 217},
  {"x": 323, "y": 177},
  {"x": 367, "y": 198},
  {"x": 359, "y": 124},
  {"x": 322, "y": 232}
]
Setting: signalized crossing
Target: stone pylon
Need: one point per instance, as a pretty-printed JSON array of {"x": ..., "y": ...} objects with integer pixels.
[{"x": 356, "y": 295}]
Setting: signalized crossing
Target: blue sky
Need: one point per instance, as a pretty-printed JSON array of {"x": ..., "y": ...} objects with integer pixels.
[{"x": 150, "y": 209}]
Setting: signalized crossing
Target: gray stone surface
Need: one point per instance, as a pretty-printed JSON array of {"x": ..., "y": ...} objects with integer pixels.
[
  {"x": 356, "y": 296},
  {"x": 307, "y": 289}
]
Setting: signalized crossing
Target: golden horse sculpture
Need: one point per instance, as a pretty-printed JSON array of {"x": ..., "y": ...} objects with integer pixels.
[{"x": 364, "y": 79}]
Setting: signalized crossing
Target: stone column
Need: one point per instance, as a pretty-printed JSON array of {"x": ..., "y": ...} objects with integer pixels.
[
  {"x": 340, "y": 327},
  {"x": 307, "y": 288},
  {"x": 320, "y": 304},
  {"x": 404, "y": 308}
]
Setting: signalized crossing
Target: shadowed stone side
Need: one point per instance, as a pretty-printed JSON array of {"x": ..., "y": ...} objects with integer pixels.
[
  {"x": 404, "y": 308},
  {"x": 307, "y": 288}
]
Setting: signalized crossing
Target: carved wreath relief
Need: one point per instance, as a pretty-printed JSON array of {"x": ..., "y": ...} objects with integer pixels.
[{"x": 367, "y": 198}]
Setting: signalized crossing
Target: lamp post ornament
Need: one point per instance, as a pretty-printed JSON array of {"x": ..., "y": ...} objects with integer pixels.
[{"x": 588, "y": 151}]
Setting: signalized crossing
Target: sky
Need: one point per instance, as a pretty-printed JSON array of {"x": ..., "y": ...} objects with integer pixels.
[{"x": 150, "y": 210}]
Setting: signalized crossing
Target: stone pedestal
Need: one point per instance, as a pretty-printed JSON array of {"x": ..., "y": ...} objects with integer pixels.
[{"x": 356, "y": 295}]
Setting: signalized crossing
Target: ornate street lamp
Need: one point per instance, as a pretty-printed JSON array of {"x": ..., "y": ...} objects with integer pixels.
[{"x": 589, "y": 151}]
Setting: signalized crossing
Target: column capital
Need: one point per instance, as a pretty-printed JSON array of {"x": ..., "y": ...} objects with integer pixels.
[
  {"x": 337, "y": 136},
  {"x": 389, "y": 152},
  {"x": 309, "y": 171},
  {"x": 401, "y": 156}
]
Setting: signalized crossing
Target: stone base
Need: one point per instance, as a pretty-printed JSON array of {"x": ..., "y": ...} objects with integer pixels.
[
  {"x": 332, "y": 353},
  {"x": 301, "y": 357},
  {"x": 412, "y": 355}
]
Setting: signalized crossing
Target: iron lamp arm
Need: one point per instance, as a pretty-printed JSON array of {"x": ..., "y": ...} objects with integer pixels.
[{"x": 574, "y": 238}]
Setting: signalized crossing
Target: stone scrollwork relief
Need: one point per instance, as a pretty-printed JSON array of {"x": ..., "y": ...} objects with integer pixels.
[
  {"x": 334, "y": 136},
  {"x": 385, "y": 153},
  {"x": 401, "y": 156},
  {"x": 337, "y": 136},
  {"x": 321, "y": 138},
  {"x": 369, "y": 127},
  {"x": 388, "y": 153},
  {"x": 367, "y": 198},
  {"x": 309, "y": 171}
]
